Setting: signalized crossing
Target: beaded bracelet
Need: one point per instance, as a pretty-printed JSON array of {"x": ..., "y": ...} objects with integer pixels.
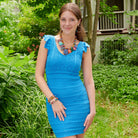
[
  {"x": 51, "y": 98},
  {"x": 51, "y": 102}
]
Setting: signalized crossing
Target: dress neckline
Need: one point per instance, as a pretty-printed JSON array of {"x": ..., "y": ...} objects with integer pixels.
[{"x": 60, "y": 52}]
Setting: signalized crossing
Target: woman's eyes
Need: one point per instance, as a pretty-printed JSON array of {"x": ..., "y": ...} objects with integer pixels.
[
  {"x": 72, "y": 20},
  {"x": 69, "y": 19},
  {"x": 62, "y": 19}
]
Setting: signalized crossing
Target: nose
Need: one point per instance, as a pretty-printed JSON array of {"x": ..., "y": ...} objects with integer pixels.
[{"x": 67, "y": 22}]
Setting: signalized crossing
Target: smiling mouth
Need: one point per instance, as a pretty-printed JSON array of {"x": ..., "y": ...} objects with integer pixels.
[{"x": 67, "y": 28}]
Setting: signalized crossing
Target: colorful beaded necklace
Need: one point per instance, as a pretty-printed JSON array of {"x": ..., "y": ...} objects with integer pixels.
[{"x": 67, "y": 50}]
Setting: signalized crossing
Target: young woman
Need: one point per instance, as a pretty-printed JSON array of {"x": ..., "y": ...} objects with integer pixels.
[{"x": 70, "y": 102}]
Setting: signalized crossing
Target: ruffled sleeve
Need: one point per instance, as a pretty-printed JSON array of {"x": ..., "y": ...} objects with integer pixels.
[
  {"x": 47, "y": 38},
  {"x": 85, "y": 46}
]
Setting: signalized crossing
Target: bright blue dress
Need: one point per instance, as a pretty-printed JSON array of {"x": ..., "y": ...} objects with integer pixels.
[{"x": 62, "y": 74}]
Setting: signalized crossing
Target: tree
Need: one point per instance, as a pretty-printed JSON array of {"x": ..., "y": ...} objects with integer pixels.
[
  {"x": 43, "y": 8},
  {"x": 89, "y": 12},
  {"x": 94, "y": 34},
  {"x": 77, "y": 1},
  {"x": 134, "y": 17},
  {"x": 92, "y": 23},
  {"x": 92, "y": 28}
]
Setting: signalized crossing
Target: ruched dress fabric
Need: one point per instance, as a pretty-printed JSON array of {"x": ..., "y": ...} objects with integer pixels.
[{"x": 62, "y": 74}]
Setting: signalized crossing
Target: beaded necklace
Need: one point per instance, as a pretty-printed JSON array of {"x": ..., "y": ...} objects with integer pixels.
[{"x": 64, "y": 49}]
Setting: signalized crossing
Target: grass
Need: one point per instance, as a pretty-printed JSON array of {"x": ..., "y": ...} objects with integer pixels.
[{"x": 114, "y": 119}]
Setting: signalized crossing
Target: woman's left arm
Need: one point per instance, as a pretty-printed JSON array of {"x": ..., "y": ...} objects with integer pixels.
[{"x": 89, "y": 84}]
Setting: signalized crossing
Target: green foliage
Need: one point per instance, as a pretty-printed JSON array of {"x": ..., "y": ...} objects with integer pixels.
[
  {"x": 44, "y": 7},
  {"x": 32, "y": 25},
  {"x": 108, "y": 11},
  {"x": 133, "y": 13},
  {"x": 15, "y": 78},
  {"x": 116, "y": 82},
  {"x": 120, "y": 50},
  {"x": 22, "y": 105},
  {"x": 22, "y": 24},
  {"x": 32, "y": 119},
  {"x": 9, "y": 32},
  {"x": 35, "y": 25}
]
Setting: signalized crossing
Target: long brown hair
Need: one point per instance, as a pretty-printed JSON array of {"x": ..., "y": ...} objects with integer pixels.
[{"x": 72, "y": 7}]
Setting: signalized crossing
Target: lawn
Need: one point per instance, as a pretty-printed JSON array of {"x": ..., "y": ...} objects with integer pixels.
[{"x": 114, "y": 119}]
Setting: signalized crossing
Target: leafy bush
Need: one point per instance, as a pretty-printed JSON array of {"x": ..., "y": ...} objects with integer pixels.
[
  {"x": 129, "y": 57},
  {"x": 15, "y": 77},
  {"x": 119, "y": 50},
  {"x": 22, "y": 105},
  {"x": 116, "y": 82},
  {"x": 9, "y": 32},
  {"x": 34, "y": 26}
]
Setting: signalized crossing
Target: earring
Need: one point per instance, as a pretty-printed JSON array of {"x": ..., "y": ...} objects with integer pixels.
[{"x": 61, "y": 31}]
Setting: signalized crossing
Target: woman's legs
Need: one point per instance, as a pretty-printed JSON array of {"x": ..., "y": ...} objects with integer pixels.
[
  {"x": 71, "y": 136},
  {"x": 76, "y": 136},
  {"x": 80, "y": 136}
]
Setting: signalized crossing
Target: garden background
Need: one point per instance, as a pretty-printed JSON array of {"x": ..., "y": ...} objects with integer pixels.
[{"x": 22, "y": 105}]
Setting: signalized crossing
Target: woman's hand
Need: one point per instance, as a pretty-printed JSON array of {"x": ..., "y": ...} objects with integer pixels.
[
  {"x": 58, "y": 108},
  {"x": 88, "y": 121}
]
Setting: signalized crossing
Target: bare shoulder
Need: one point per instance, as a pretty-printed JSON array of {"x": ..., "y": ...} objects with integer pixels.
[
  {"x": 87, "y": 54},
  {"x": 57, "y": 37},
  {"x": 42, "y": 42}
]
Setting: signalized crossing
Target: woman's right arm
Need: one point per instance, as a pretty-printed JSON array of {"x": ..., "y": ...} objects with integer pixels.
[
  {"x": 40, "y": 69},
  {"x": 58, "y": 107}
]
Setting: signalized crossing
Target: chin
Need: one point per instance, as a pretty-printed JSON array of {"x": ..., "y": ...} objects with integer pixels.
[{"x": 68, "y": 32}]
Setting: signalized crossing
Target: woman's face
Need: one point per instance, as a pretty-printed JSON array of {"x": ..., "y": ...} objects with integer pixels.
[{"x": 68, "y": 22}]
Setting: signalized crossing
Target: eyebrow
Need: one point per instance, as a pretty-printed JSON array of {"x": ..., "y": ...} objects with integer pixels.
[{"x": 69, "y": 18}]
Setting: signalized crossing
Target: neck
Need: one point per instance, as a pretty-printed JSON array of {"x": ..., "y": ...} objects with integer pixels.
[{"x": 68, "y": 37}]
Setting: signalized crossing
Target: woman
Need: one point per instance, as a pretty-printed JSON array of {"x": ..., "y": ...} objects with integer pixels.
[{"x": 70, "y": 103}]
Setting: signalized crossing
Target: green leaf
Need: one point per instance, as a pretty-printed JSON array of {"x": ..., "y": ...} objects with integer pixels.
[
  {"x": 20, "y": 82},
  {"x": 3, "y": 74},
  {"x": 3, "y": 58},
  {"x": 133, "y": 13}
]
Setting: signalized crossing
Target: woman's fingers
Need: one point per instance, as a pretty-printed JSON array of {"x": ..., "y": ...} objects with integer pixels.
[
  {"x": 64, "y": 107},
  {"x": 87, "y": 126},
  {"x": 85, "y": 122},
  {"x": 60, "y": 116},
  {"x": 55, "y": 114},
  {"x": 63, "y": 112},
  {"x": 58, "y": 108},
  {"x": 88, "y": 121}
]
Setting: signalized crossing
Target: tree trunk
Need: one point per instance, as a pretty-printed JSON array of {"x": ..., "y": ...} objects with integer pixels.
[
  {"x": 134, "y": 17},
  {"x": 77, "y": 2},
  {"x": 84, "y": 11},
  {"x": 94, "y": 34},
  {"x": 89, "y": 12}
]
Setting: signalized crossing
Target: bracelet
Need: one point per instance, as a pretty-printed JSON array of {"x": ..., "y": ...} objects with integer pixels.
[
  {"x": 51, "y": 98},
  {"x": 51, "y": 102}
]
